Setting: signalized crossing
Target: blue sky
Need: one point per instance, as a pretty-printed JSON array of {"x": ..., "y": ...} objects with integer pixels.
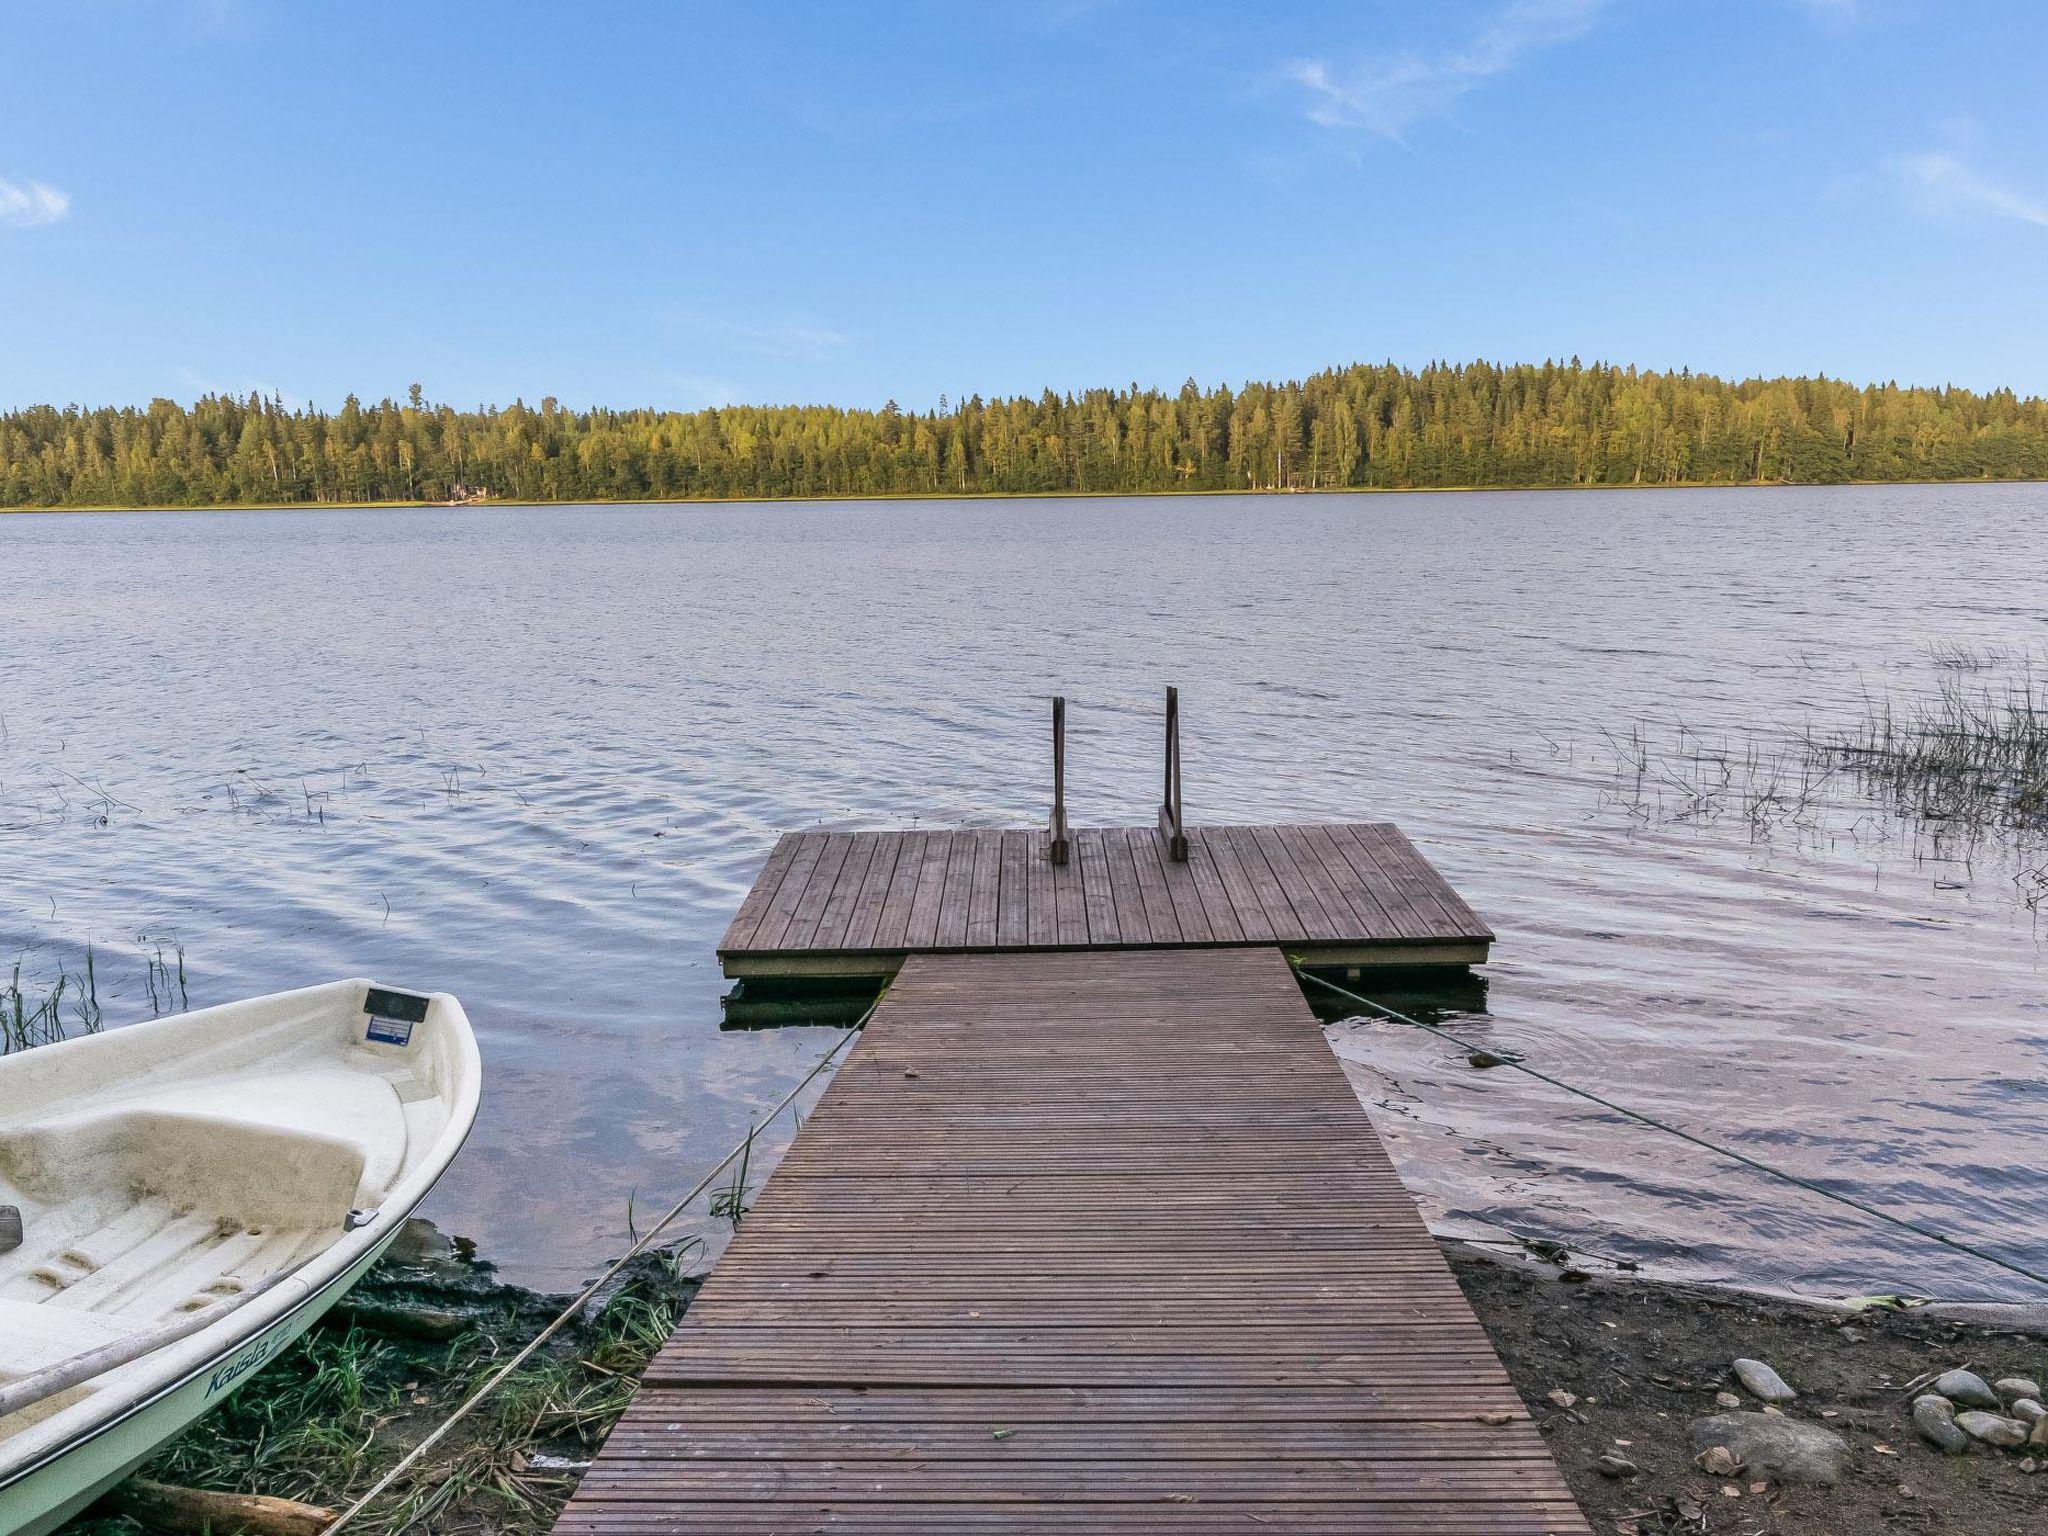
[{"x": 688, "y": 204}]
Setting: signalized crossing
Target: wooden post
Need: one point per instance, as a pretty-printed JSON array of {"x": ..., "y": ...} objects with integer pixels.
[
  {"x": 1170, "y": 826},
  {"x": 1057, "y": 841}
]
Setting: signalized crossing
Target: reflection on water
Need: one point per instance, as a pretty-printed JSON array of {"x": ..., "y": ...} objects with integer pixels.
[{"x": 534, "y": 755}]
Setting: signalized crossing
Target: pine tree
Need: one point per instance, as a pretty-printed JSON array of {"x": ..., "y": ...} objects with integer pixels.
[{"x": 1380, "y": 426}]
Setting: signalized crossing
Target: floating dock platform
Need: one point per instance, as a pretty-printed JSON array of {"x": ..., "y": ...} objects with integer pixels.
[
  {"x": 1089, "y": 1234},
  {"x": 842, "y": 904}
]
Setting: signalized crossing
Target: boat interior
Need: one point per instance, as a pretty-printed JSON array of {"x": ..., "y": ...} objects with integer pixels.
[{"x": 213, "y": 1160}]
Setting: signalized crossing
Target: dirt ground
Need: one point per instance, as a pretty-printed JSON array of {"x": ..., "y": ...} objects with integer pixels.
[{"x": 1643, "y": 1360}]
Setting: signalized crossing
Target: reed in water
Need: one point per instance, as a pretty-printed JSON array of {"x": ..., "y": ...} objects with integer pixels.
[
  {"x": 24, "y": 1024},
  {"x": 1975, "y": 755},
  {"x": 1962, "y": 769}
]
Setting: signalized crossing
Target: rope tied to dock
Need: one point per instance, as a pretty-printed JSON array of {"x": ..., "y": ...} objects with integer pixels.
[
  {"x": 1504, "y": 1059},
  {"x": 527, "y": 1351}
]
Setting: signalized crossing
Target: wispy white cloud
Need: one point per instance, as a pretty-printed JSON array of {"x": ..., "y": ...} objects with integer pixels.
[
  {"x": 192, "y": 384},
  {"x": 695, "y": 391},
  {"x": 788, "y": 337},
  {"x": 1944, "y": 183},
  {"x": 25, "y": 204},
  {"x": 1391, "y": 95}
]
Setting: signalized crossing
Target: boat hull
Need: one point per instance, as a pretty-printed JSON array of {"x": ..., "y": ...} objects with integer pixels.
[{"x": 59, "y": 1488}]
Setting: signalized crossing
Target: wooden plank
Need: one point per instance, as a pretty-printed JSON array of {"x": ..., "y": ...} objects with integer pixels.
[
  {"x": 1390, "y": 891},
  {"x": 1315, "y": 919},
  {"x": 1255, "y": 1410},
  {"x": 1184, "y": 891},
  {"x": 1168, "y": 1514},
  {"x": 1406, "y": 890},
  {"x": 1091, "y": 864},
  {"x": 818, "y": 891},
  {"x": 1369, "y": 911},
  {"x": 789, "y": 892},
  {"x": 985, "y": 891},
  {"x": 837, "y": 916},
  {"x": 761, "y": 895},
  {"x": 885, "y": 898},
  {"x": 1344, "y": 921},
  {"x": 1218, "y": 909},
  {"x": 1266, "y": 885},
  {"x": 1148, "y": 860},
  {"x": 1013, "y": 900},
  {"x": 1131, "y": 919},
  {"x": 1391, "y": 839},
  {"x": 928, "y": 901},
  {"x": 1069, "y": 902},
  {"x": 1013, "y": 1479},
  {"x": 1245, "y": 907},
  {"x": 1041, "y": 899},
  {"x": 959, "y": 887},
  {"x": 1081, "y": 1242}
]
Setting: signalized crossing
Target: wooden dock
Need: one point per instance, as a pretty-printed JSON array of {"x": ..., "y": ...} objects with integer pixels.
[
  {"x": 838, "y": 904},
  {"x": 1093, "y": 1241}
]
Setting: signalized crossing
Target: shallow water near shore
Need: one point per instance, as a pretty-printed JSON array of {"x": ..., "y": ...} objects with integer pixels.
[{"x": 534, "y": 755}]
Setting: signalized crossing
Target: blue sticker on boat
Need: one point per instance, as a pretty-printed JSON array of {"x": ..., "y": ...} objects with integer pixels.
[{"x": 390, "y": 1031}]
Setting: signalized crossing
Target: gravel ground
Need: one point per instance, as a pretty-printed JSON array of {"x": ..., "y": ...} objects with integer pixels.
[{"x": 1643, "y": 1360}]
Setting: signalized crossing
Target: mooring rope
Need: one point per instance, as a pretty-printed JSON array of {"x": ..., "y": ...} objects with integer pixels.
[
  {"x": 497, "y": 1377},
  {"x": 1654, "y": 1123}
]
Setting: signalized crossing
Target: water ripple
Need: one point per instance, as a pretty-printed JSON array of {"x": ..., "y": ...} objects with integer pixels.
[{"x": 534, "y": 756}]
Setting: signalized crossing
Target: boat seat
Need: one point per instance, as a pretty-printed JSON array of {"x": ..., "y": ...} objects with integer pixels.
[
  {"x": 198, "y": 1167},
  {"x": 332, "y": 1104},
  {"x": 32, "y": 1336}
]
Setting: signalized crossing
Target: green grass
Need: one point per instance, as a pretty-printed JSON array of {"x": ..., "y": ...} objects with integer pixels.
[{"x": 337, "y": 1411}]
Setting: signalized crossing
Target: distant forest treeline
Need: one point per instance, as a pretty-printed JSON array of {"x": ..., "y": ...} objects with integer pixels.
[{"x": 1475, "y": 424}]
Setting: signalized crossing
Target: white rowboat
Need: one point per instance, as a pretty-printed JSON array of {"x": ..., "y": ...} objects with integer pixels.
[{"x": 193, "y": 1193}]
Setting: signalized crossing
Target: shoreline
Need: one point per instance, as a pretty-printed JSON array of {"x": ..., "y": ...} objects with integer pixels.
[
  {"x": 1615, "y": 1371},
  {"x": 1620, "y": 1372},
  {"x": 857, "y": 498}
]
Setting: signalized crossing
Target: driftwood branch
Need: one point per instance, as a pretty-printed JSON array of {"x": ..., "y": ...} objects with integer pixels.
[{"x": 198, "y": 1512}]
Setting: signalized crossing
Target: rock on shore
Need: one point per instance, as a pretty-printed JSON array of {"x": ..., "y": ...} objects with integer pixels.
[
  {"x": 1763, "y": 1383},
  {"x": 1768, "y": 1445},
  {"x": 1935, "y": 1418},
  {"x": 1992, "y": 1428},
  {"x": 1966, "y": 1389}
]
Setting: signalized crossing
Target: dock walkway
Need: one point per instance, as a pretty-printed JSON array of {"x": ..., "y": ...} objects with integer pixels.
[{"x": 1093, "y": 1241}]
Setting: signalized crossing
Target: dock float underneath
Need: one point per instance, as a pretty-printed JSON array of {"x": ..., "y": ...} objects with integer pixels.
[{"x": 1091, "y": 1241}]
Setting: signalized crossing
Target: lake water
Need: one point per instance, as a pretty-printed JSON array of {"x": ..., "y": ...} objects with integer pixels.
[{"x": 534, "y": 756}]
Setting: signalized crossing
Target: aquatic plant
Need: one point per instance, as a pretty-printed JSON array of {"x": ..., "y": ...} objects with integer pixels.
[
  {"x": 1962, "y": 771},
  {"x": 1973, "y": 755},
  {"x": 1702, "y": 779},
  {"x": 165, "y": 979},
  {"x": 730, "y": 1203},
  {"x": 1962, "y": 656},
  {"x": 24, "y": 1025},
  {"x": 36, "y": 1013}
]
